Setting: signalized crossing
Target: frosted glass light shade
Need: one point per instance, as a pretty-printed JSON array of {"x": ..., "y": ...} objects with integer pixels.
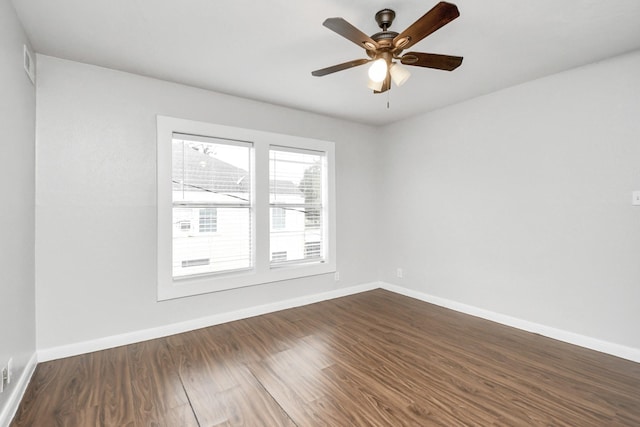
[
  {"x": 399, "y": 74},
  {"x": 375, "y": 85},
  {"x": 378, "y": 70}
]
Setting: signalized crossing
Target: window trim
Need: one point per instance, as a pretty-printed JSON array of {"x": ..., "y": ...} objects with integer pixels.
[{"x": 262, "y": 271}]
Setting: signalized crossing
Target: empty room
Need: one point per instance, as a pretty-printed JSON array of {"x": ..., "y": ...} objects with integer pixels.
[{"x": 363, "y": 213}]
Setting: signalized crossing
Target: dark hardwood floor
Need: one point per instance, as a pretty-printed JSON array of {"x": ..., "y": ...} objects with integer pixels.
[{"x": 372, "y": 359}]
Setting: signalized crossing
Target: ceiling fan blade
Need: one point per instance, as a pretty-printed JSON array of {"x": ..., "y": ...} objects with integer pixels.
[
  {"x": 386, "y": 85},
  {"x": 431, "y": 60},
  {"x": 339, "y": 67},
  {"x": 348, "y": 31},
  {"x": 439, "y": 16}
]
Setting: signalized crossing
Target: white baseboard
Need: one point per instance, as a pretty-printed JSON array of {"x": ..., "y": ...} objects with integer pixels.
[
  {"x": 189, "y": 325},
  {"x": 17, "y": 391},
  {"x": 618, "y": 350}
]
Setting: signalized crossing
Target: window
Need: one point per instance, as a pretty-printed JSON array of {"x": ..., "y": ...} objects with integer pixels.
[
  {"x": 239, "y": 207},
  {"x": 296, "y": 187}
]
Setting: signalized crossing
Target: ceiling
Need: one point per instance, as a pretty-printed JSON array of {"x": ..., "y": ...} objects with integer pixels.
[{"x": 265, "y": 50}]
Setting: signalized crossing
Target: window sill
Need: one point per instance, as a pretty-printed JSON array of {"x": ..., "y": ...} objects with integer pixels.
[{"x": 197, "y": 285}]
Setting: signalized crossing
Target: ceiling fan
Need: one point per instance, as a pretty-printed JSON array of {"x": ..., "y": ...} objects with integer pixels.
[{"x": 385, "y": 48}]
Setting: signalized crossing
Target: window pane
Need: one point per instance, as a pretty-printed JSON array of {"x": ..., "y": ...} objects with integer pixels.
[
  {"x": 199, "y": 250},
  {"x": 212, "y": 212},
  {"x": 296, "y": 189}
]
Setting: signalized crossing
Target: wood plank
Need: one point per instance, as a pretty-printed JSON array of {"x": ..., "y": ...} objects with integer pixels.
[
  {"x": 246, "y": 404},
  {"x": 158, "y": 396}
]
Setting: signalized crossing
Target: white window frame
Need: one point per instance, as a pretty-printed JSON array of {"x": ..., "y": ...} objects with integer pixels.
[{"x": 262, "y": 271}]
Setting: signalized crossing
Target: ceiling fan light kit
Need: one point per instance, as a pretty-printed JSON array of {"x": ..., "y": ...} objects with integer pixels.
[
  {"x": 375, "y": 86},
  {"x": 385, "y": 48},
  {"x": 378, "y": 70}
]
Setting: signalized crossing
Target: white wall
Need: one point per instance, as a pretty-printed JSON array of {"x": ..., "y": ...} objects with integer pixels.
[
  {"x": 519, "y": 202},
  {"x": 96, "y": 201},
  {"x": 17, "y": 178}
]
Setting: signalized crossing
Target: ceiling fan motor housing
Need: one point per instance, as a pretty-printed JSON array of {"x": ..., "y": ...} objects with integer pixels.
[
  {"x": 385, "y": 42},
  {"x": 384, "y": 38}
]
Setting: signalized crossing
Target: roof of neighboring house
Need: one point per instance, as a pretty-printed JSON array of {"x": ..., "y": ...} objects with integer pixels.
[
  {"x": 207, "y": 173},
  {"x": 283, "y": 187}
]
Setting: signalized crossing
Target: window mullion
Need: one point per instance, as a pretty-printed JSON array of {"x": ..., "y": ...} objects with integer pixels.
[{"x": 261, "y": 214}]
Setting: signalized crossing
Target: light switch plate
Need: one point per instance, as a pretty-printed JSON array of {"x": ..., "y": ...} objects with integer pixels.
[{"x": 635, "y": 199}]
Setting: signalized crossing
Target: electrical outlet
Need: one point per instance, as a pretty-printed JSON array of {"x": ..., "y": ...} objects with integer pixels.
[
  {"x": 399, "y": 273},
  {"x": 336, "y": 276}
]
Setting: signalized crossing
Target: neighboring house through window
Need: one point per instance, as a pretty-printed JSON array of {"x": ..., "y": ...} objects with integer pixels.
[
  {"x": 279, "y": 256},
  {"x": 312, "y": 250},
  {"x": 208, "y": 221},
  {"x": 278, "y": 218}
]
